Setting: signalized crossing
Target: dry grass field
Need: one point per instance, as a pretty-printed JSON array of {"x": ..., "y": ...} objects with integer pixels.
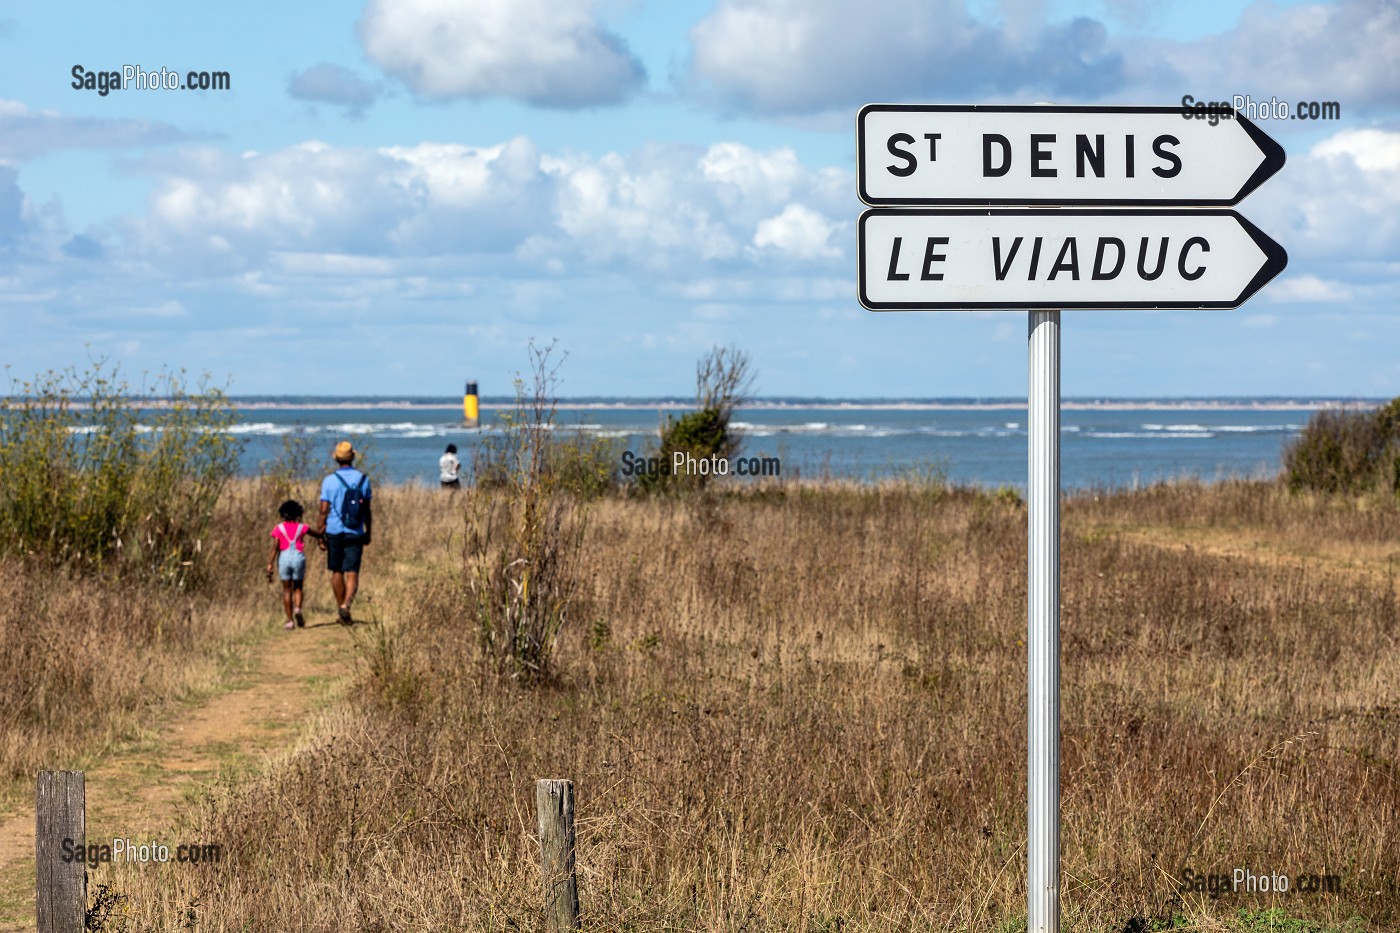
[{"x": 798, "y": 709}]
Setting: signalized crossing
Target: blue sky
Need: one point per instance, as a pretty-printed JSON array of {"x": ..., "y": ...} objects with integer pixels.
[{"x": 395, "y": 195}]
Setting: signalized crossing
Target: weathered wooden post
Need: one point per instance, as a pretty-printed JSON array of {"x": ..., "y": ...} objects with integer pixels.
[
  {"x": 554, "y": 802},
  {"x": 61, "y": 887}
]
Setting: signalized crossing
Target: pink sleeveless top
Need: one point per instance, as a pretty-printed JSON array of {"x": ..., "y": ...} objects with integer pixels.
[{"x": 290, "y": 534}]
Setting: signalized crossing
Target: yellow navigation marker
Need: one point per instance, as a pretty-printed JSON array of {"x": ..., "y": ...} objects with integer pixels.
[{"x": 470, "y": 408}]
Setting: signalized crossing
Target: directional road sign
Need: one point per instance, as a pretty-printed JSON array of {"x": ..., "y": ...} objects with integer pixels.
[
  {"x": 979, "y": 259},
  {"x": 943, "y": 155}
]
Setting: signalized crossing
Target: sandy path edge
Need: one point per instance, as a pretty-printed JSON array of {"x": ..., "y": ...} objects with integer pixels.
[{"x": 134, "y": 791}]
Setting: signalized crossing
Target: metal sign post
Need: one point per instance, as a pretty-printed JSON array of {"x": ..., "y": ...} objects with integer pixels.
[{"x": 1043, "y": 625}]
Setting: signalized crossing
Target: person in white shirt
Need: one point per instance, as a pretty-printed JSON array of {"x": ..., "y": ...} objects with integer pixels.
[{"x": 449, "y": 468}]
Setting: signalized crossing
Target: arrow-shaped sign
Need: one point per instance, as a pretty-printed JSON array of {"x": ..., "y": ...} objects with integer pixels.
[
  {"x": 971, "y": 259},
  {"x": 932, "y": 154}
]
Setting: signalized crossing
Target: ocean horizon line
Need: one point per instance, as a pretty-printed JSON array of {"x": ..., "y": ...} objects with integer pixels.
[{"x": 801, "y": 403}]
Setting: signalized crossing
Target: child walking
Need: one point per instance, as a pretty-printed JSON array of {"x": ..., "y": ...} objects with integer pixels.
[{"x": 289, "y": 554}]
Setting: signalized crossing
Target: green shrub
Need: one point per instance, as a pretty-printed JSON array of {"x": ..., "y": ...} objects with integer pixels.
[
  {"x": 578, "y": 465},
  {"x": 94, "y": 474},
  {"x": 723, "y": 380},
  {"x": 698, "y": 435},
  {"x": 584, "y": 466},
  {"x": 1346, "y": 450}
]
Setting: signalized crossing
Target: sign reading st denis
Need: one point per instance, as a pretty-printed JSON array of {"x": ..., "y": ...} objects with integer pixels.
[
  {"x": 924, "y": 155},
  {"x": 1119, "y": 159}
]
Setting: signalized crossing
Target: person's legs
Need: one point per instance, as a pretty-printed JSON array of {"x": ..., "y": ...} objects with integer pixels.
[
  {"x": 335, "y": 563},
  {"x": 291, "y": 567},
  {"x": 353, "y": 550},
  {"x": 287, "y": 601}
]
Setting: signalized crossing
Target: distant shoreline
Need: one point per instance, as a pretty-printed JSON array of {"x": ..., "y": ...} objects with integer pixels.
[{"x": 831, "y": 405}]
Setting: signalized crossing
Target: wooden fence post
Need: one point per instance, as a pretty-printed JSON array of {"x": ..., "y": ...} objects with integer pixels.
[
  {"x": 554, "y": 802},
  {"x": 60, "y": 887}
]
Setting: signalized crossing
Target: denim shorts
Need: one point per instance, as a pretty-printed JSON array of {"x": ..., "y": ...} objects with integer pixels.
[
  {"x": 343, "y": 553},
  {"x": 291, "y": 565}
]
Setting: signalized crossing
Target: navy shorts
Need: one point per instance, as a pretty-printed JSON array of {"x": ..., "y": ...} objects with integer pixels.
[{"x": 343, "y": 553}]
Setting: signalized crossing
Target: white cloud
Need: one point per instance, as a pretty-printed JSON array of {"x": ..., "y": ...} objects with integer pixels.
[
  {"x": 25, "y": 133},
  {"x": 670, "y": 213},
  {"x": 1371, "y": 150},
  {"x": 1338, "y": 203},
  {"x": 333, "y": 84},
  {"x": 166, "y": 309},
  {"x": 805, "y": 56},
  {"x": 1308, "y": 288},
  {"x": 789, "y": 58},
  {"x": 552, "y": 53},
  {"x": 738, "y": 171},
  {"x": 1344, "y": 51},
  {"x": 798, "y": 232}
]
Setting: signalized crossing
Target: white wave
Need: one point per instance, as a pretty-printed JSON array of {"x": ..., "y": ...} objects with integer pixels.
[
  {"x": 1256, "y": 428},
  {"x": 259, "y": 427},
  {"x": 1158, "y": 435},
  {"x": 810, "y": 427},
  {"x": 86, "y": 429},
  {"x": 1175, "y": 428}
]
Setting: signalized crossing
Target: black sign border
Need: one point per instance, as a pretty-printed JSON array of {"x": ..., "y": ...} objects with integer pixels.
[
  {"x": 1274, "y": 157},
  {"x": 1276, "y": 260}
]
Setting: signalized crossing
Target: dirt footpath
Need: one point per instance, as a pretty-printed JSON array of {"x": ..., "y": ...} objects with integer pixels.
[{"x": 136, "y": 789}]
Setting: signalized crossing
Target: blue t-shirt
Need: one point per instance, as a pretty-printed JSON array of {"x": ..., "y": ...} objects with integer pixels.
[{"x": 333, "y": 491}]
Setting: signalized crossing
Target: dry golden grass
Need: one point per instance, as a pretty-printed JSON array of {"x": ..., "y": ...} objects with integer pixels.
[
  {"x": 804, "y": 709},
  {"x": 86, "y": 658}
]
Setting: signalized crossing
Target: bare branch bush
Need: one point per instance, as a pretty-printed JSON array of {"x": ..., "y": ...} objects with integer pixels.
[{"x": 523, "y": 532}]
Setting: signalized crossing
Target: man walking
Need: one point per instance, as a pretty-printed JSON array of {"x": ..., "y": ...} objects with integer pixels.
[{"x": 345, "y": 521}]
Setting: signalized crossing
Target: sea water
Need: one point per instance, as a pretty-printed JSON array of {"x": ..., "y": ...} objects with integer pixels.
[{"x": 1102, "y": 444}]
